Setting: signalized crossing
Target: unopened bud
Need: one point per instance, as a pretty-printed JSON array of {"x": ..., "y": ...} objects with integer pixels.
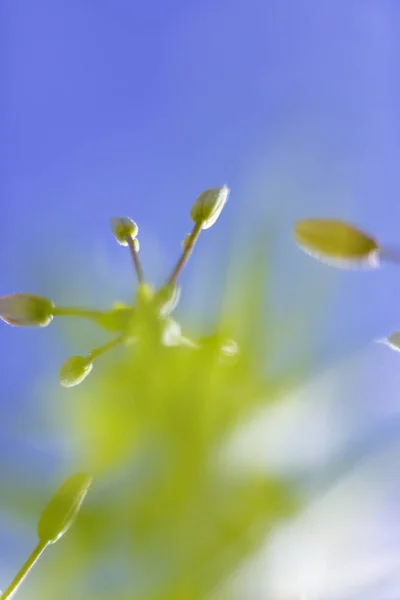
[
  {"x": 136, "y": 245},
  {"x": 74, "y": 370},
  {"x": 26, "y": 310},
  {"x": 337, "y": 243},
  {"x": 123, "y": 228},
  {"x": 208, "y": 206},
  {"x": 63, "y": 508}
]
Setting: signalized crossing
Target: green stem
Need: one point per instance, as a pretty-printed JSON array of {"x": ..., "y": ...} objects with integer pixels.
[
  {"x": 187, "y": 251},
  {"x": 96, "y": 352},
  {"x": 135, "y": 257},
  {"x": 66, "y": 311},
  {"x": 18, "y": 579}
]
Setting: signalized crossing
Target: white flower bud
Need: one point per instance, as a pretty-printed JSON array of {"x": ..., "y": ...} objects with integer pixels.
[
  {"x": 74, "y": 370},
  {"x": 123, "y": 228},
  {"x": 208, "y": 206},
  {"x": 26, "y": 310}
]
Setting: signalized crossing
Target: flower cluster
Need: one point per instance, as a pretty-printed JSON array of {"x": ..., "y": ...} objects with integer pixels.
[{"x": 153, "y": 306}]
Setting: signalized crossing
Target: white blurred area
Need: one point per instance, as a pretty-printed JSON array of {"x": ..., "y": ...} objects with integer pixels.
[{"x": 344, "y": 544}]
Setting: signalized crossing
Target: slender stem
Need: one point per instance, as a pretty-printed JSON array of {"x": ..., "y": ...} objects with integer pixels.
[
  {"x": 66, "y": 311},
  {"x": 96, "y": 352},
  {"x": 187, "y": 251},
  {"x": 18, "y": 579},
  {"x": 135, "y": 257}
]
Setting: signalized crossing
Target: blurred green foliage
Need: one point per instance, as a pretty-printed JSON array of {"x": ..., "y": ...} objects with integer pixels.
[
  {"x": 168, "y": 517},
  {"x": 152, "y": 426}
]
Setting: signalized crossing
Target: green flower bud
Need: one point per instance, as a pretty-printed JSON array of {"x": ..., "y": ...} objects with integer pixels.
[
  {"x": 337, "y": 243},
  {"x": 63, "y": 508},
  {"x": 74, "y": 370},
  {"x": 136, "y": 245},
  {"x": 26, "y": 310},
  {"x": 167, "y": 298},
  {"x": 208, "y": 206},
  {"x": 123, "y": 228}
]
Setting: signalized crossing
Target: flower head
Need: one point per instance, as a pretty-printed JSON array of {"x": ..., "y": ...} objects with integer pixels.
[{"x": 136, "y": 323}]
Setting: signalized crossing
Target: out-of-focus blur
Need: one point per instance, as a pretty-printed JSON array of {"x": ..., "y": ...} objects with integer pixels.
[{"x": 267, "y": 475}]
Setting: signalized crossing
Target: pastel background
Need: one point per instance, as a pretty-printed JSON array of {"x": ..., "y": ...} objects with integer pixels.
[{"x": 134, "y": 108}]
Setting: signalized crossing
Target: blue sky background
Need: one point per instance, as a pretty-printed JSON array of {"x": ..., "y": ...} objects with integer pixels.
[{"x": 135, "y": 107}]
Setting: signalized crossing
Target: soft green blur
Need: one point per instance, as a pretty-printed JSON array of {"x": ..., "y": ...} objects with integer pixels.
[{"x": 167, "y": 516}]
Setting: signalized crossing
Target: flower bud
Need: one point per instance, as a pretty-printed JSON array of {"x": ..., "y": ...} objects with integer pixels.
[
  {"x": 26, "y": 310},
  {"x": 123, "y": 228},
  {"x": 208, "y": 206},
  {"x": 74, "y": 370},
  {"x": 337, "y": 243},
  {"x": 136, "y": 245},
  {"x": 63, "y": 508}
]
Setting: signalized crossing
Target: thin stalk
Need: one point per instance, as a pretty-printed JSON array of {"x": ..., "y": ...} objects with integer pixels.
[
  {"x": 187, "y": 251},
  {"x": 96, "y": 352},
  {"x": 135, "y": 257},
  {"x": 66, "y": 311},
  {"x": 19, "y": 578}
]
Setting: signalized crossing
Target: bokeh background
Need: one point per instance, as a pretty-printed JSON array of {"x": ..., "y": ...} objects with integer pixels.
[{"x": 134, "y": 108}]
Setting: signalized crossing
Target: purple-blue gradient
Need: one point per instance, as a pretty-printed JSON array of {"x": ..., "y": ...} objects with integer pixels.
[{"x": 135, "y": 107}]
